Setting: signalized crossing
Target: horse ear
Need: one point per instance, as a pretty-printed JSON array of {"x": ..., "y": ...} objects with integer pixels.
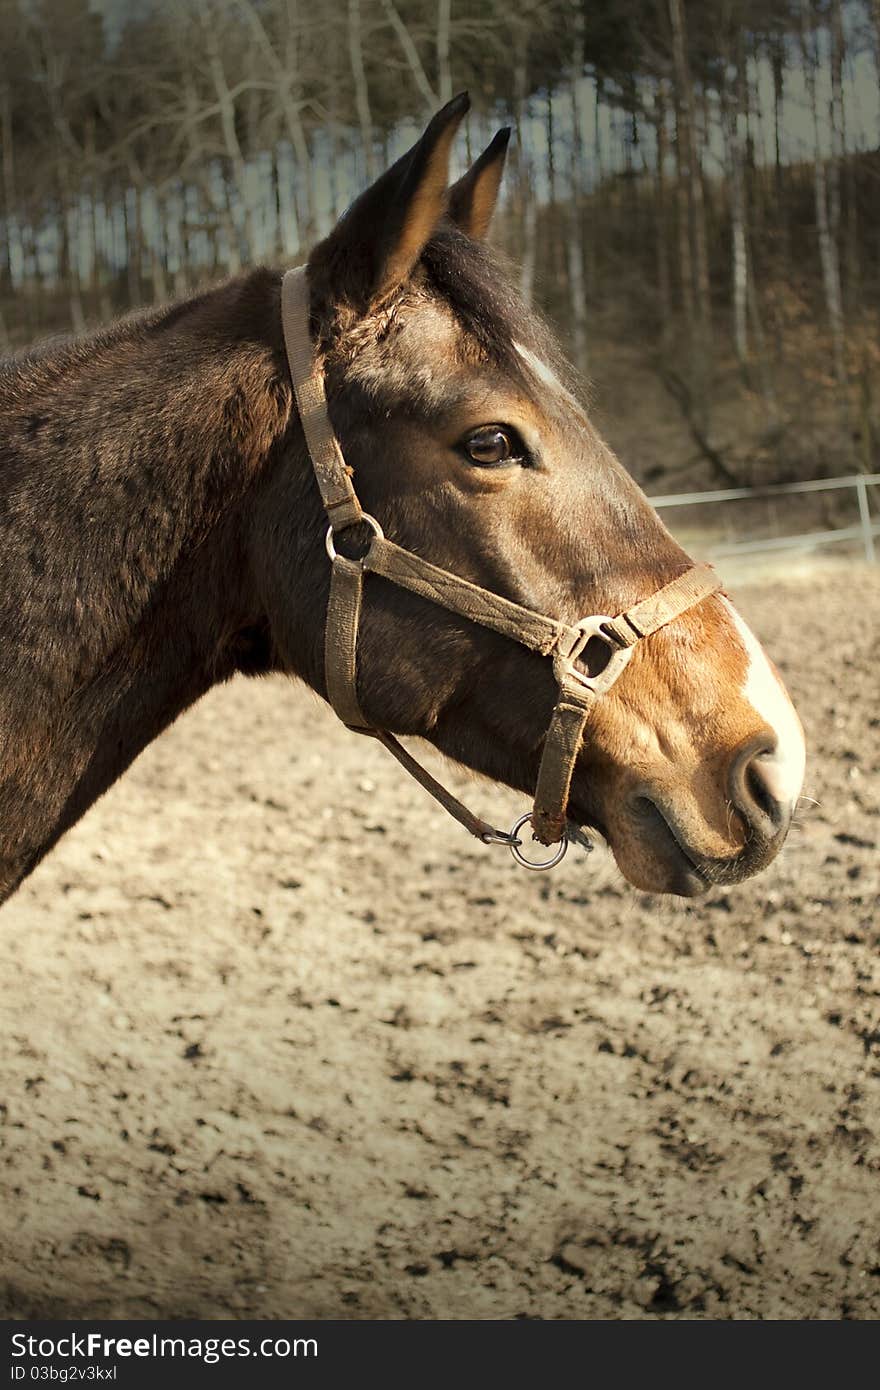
[
  {"x": 378, "y": 241},
  {"x": 472, "y": 200}
]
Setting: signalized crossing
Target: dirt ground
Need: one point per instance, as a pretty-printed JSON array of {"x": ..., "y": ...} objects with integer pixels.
[{"x": 271, "y": 1049}]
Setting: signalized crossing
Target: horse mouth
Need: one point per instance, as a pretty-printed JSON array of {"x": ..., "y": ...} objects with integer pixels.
[
  {"x": 685, "y": 873},
  {"x": 695, "y": 872},
  {"x": 691, "y": 874}
]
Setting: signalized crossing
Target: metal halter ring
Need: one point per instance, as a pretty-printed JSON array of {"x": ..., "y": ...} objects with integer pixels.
[
  {"x": 514, "y": 847},
  {"x": 370, "y": 521}
]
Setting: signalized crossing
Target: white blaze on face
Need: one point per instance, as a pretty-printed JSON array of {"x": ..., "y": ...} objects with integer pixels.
[
  {"x": 784, "y": 770},
  {"x": 541, "y": 370},
  {"x": 547, "y": 377}
]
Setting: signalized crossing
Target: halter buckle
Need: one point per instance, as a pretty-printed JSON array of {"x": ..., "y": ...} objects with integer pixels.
[{"x": 618, "y": 657}]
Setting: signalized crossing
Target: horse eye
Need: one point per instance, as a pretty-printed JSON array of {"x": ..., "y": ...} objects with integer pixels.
[{"x": 493, "y": 446}]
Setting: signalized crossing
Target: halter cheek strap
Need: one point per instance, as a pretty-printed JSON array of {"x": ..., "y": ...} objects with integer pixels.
[{"x": 564, "y": 643}]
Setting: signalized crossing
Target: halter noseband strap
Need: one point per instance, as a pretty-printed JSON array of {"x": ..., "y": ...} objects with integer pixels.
[{"x": 563, "y": 642}]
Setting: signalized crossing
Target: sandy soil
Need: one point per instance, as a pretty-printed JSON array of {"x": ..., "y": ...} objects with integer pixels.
[{"x": 279, "y": 1041}]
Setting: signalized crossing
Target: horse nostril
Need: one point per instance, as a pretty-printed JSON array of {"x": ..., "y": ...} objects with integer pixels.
[{"x": 755, "y": 789}]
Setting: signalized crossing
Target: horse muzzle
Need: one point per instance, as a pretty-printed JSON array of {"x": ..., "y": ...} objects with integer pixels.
[{"x": 671, "y": 839}]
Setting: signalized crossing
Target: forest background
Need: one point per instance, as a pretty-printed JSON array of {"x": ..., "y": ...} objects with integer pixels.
[{"x": 692, "y": 197}]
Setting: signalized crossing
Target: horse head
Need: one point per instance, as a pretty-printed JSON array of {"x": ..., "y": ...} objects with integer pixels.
[{"x": 467, "y": 440}]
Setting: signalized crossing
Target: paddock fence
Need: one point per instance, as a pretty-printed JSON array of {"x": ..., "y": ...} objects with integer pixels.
[{"x": 765, "y": 509}]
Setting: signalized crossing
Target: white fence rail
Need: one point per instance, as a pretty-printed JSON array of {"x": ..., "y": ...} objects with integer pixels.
[{"x": 865, "y": 531}]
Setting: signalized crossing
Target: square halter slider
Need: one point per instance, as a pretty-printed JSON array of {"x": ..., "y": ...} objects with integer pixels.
[{"x": 600, "y": 656}]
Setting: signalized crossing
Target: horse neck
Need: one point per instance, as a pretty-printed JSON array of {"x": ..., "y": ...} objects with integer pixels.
[{"x": 126, "y": 592}]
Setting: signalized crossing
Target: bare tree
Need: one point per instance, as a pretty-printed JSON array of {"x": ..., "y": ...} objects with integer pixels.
[
  {"x": 692, "y": 244},
  {"x": 411, "y": 53},
  {"x": 828, "y": 251},
  {"x": 361, "y": 87},
  {"x": 206, "y": 136}
]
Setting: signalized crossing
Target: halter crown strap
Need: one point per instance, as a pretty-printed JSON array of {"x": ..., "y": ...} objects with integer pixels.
[
  {"x": 564, "y": 642},
  {"x": 334, "y": 480}
]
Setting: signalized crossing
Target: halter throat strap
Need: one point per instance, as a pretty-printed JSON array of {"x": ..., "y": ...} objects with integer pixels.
[{"x": 549, "y": 637}]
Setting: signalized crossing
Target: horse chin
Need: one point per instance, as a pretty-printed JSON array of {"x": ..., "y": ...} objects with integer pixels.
[
  {"x": 650, "y": 854},
  {"x": 674, "y": 873},
  {"x": 658, "y": 853},
  {"x": 686, "y": 882}
]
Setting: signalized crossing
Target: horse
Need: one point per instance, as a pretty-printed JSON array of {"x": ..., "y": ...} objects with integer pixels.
[{"x": 163, "y": 529}]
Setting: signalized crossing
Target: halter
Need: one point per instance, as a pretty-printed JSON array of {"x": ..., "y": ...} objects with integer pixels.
[{"x": 562, "y": 642}]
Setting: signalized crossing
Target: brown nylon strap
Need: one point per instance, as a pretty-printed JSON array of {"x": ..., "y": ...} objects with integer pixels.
[
  {"x": 340, "y": 640},
  {"x": 411, "y": 572},
  {"x": 561, "y": 747},
  {"x": 669, "y": 602},
  {"x": 331, "y": 472},
  {"x": 457, "y": 809}
]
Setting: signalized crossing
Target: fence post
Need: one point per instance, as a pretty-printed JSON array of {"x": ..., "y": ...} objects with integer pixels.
[{"x": 865, "y": 517}]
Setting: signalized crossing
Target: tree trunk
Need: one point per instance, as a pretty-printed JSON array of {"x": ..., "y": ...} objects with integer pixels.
[
  {"x": 361, "y": 90},
  {"x": 843, "y": 180},
  {"x": 575, "y": 238},
  {"x": 525, "y": 190},
  {"x": 661, "y": 241},
  {"x": 529, "y": 247},
  {"x": 685, "y": 260},
  {"x": 575, "y": 259},
  {"x": 444, "y": 44},
  {"x": 70, "y": 276},
  {"x": 158, "y": 256},
  {"x": 765, "y": 374},
  {"x": 411, "y": 53},
  {"x": 551, "y": 148},
  {"x": 231, "y": 142},
  {"x": 838, "y": 132},
  {"x": 7, "y": 169},
  {"x": 132, "y": 210},
  {"x": 695, "y": 229},
  {"x": 828, "y": 254},
  {"x": 154, "y": 249},
  {"x": 734, "y": 121},
  {"x": 691, "y": 165}
]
